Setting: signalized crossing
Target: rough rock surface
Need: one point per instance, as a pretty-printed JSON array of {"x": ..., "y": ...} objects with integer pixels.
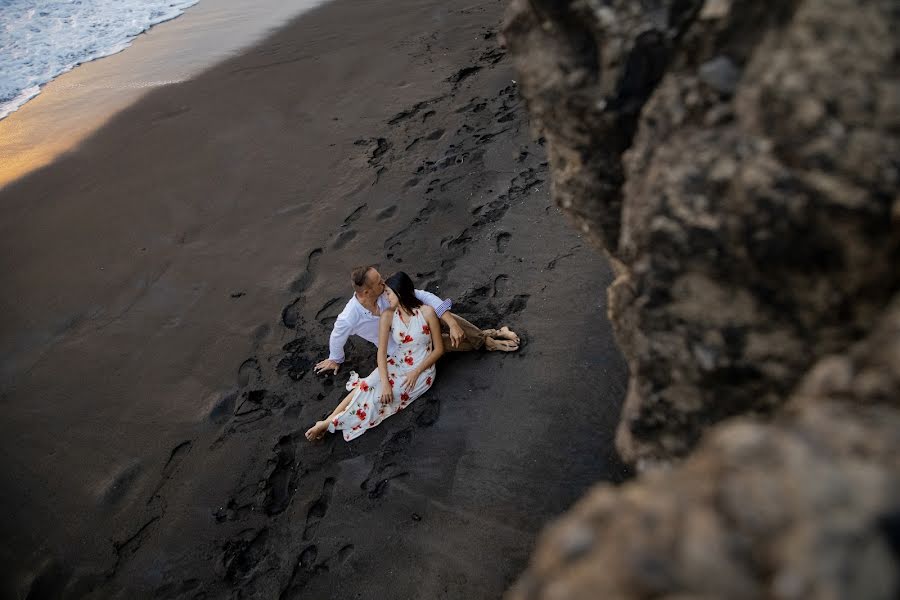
[
  {"x": 739, "y": 162},
  {"x": 807, "y": 506}
]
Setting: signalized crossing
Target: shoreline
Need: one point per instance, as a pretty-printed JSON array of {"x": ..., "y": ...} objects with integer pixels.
[
  {"x": 32, "y": 91},
  {"x": 76, "y": 103},
  {"x": 177, "y": 274}
]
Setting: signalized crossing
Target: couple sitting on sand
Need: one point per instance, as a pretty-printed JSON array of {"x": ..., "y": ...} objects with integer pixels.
[{"x": 405, "y": 324}]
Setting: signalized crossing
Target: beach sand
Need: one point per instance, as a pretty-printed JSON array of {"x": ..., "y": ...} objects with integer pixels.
[{"x": 169, "y": 285}]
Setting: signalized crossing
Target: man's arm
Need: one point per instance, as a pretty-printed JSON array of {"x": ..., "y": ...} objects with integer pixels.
[
  {"x": 440, "y": 306},
  {"x": 442, "y": 309},
  {"x": 343, "y": 329}
]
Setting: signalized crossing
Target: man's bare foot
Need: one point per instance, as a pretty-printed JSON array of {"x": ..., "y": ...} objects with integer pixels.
[
  {"x": 505, "y": 333},
  {"x": 317, "y": 431},
  {"x": 500, "y": 345}
]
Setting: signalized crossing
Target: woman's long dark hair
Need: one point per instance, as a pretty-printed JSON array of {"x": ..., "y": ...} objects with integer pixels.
[{"x": 405, "y": 290}]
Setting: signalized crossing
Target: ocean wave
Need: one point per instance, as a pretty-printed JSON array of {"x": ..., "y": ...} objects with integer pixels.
[{"x": 42, "y": 39}]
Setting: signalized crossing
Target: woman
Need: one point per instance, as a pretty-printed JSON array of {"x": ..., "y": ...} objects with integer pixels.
[{"x": 408, "y": 371}]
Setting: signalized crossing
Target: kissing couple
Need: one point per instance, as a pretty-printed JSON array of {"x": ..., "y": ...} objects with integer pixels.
[{"x": 405, "y": 324}]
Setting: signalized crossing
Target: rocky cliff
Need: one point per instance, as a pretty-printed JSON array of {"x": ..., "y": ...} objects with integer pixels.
[
  {"x": 738, "y": 162},
  {"x": 805, "y": 506}
]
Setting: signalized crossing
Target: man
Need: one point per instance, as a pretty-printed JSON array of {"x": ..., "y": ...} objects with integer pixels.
[{"x": 363, "y": 311}]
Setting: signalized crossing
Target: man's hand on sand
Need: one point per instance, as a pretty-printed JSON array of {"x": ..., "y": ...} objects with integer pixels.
[
  {"x": 327, "y": 365},
  {"x": 456, "y": 334}
]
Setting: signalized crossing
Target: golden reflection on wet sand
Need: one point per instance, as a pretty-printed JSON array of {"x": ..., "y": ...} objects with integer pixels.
[{"x": 76, "y": 104}]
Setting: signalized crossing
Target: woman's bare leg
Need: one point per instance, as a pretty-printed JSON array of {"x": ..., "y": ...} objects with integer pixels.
[{"x": 318, "y": 430}]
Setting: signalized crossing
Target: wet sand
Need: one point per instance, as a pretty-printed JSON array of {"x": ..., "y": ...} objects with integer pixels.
[
  {"x": 74, "y": 105},
  {"x": 170, "y": 284}
]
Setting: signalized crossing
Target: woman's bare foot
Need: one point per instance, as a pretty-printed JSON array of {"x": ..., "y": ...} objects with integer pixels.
[
  {"x": 500, "y": 345},
  {"x": 317, "y": 431},
  {"x": 505, "y": 333}
]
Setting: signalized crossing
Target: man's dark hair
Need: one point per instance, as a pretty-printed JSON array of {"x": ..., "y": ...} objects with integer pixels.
[
  {"x": 405, "y": 290},
  {"x": 358, "y": 276}
]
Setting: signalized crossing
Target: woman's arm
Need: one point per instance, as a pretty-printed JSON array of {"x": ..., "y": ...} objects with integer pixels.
[
  {"x": 442, "y": 308},
  {"x": 384, "y": 332},
  {"x": 437, "y": 347},
  {"x": 437, "y": 341}
]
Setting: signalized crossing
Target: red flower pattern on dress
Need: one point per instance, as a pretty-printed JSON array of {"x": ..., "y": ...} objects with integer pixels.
[{"x": 418, "y": 342}]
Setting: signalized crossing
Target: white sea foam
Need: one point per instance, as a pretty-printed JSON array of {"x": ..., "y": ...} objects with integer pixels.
[{"x": 42, "y": 39}]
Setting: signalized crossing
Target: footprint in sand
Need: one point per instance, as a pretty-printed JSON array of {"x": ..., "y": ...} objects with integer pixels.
[
  {"x": 261, "y": 332},
  {"x": 176, "y": 457},
  {"x": 248, "y": 372},
  {"x": 327, "y": 315},
  {"x": 117, "y": 487},
  {"x": 503, "y": 241},
  {"x": 355, "y": 215},
  {"x": 516, "y": 305},
  {"x": 386, "y": 213},
  {"x": 241, "y": 555},
  {"x": 308, "y": 557},
  {"x": 552, "y": 264},
  {"x": 307, "y": 568},
  {"x": 345, "y": 553},
  {"x": 429, "y": 410},
  {"x": 380, "y": 149},
  {"x": 343, "y": 239},
  {"x": 280, "y": 484},
  {"x": 501, "y": 285},
  {"x": 312, "y": 263},
  {"x": 318, "y": 510},
  {"x": 290, "y": 315},
  {"x": 223, "y": 408},
  {"x": 383, "y": 471}
]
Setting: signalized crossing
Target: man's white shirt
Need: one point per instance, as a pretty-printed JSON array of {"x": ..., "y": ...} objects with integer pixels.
[{"x": 356, "y": 319}]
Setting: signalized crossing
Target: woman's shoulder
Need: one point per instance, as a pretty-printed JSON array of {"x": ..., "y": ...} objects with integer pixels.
[
  {"x": 427, "y": 310},
  {"x": 387, "y": 313}
]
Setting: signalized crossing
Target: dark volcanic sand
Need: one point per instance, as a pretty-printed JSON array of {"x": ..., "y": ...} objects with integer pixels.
[{"x": 168, "y": 287}]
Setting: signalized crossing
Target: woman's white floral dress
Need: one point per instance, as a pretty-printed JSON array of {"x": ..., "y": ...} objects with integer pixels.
[{"x": 365, "y": 409}]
